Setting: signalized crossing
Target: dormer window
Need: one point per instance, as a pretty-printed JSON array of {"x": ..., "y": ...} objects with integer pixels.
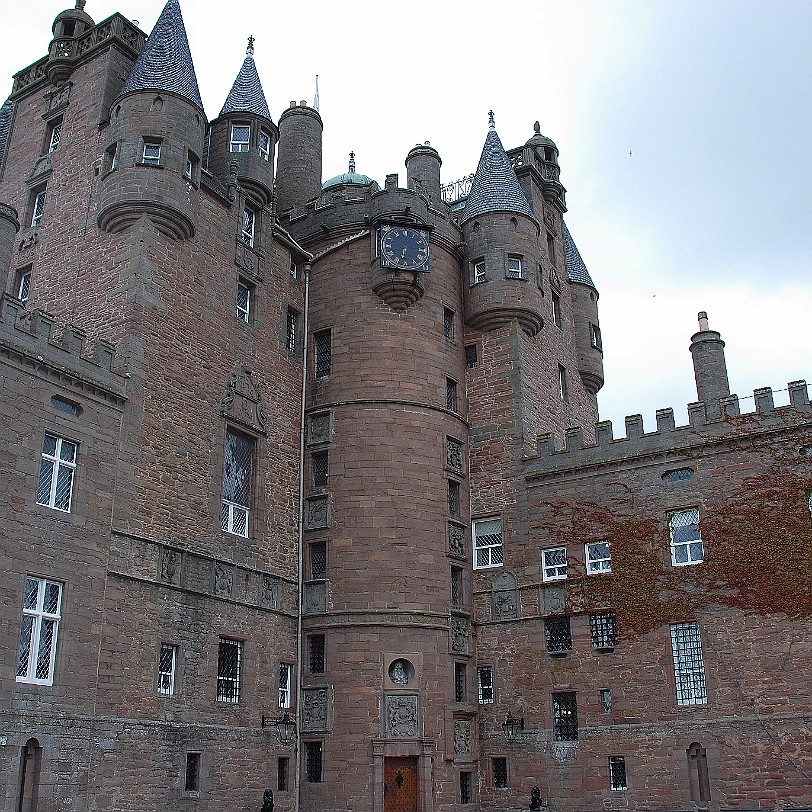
[
  {"x": 240, "y": 137},
  {"x": 264, "y": 145}
]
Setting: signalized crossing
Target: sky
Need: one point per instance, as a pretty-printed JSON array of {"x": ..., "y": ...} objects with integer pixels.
[{"x": 684, "y": 132}]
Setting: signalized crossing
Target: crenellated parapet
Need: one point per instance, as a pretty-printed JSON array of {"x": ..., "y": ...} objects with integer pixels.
[
  {"x": 705, "y": 428},
  {"x": 28, "y": 338}
]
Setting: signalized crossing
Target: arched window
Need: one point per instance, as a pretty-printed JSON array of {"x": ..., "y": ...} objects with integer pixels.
[
  {"x": 31, "y": 763},
  {"x": 698, "y": 772}
]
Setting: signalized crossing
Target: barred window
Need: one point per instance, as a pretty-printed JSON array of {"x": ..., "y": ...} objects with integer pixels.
[
  {"x": 500, "y": 772},
  {"x": 319, "y": 467},
  {"x": 617, "y": 772},
  {"x": 244, "y": 301},
  {"x": 166, "y": 669},
  {"x": 689, "y": 668},
  {"x": 315, "y": 651},
  {"x": 285, "y": 677},
  {"x": 282, "y": 771},
  {"x": 606, "y": 701},
  {"x": 456, "y": 586},
  {"x": 554, "y": 564},
  {"x": 465, "y": 788},
  {"x": 460, "y": 675},
  {"x": 686, "y": 543},
  {"x": 42, "y": 601},
  {"x": 453, "y": 499},
  {"x": 313, "y": 762},
  {"x": 237, "y": 475},
  {"x": 291, "y": 329},
  {"x": 240, "y": 137},
  {"x": 324, "y": 352},
  {"x": 471, "y": 356},
  {"x": 598, "y": 558},
  {"x": 318, "y": 560},
  {"x": 448, "y": 323},
  {"x": 484, "y": 680},
  {"x": 487, "y": 535},
  {"x": 557, "y": 633},
  {"x": 451, "y": 395},
  {"x": 565, "y": 716},
  {"x": 229, "y": 662},
  {"x": 56, "y": 472},
  {"x": 604, "y": 630}
]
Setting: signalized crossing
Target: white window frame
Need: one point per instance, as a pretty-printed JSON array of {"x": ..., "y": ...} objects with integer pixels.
[
  {"x": 490, "y": 551},
  {"x": 235, "y": 517},
  {"x": 240, "y": 144},
  {"x": 264, "y": 145},
  {"x": 243, "y": 301},
  {"x": 285, "y": 685},
  {"x": 597, "y": 564},
  {"x": 166, "y": 678},
  {"x": 689, "y": 666},
  {"x": 563, "y": 387},
  {"x": 552, "y": 571},
  {"x": 231, "y": 696},
  {"x": 38, "y": 208},
  {"x": 249, "y": 223},
  {"x": 24, "y": 286},
  {"x": 151, "y": 153},
  {"x": 55, "y": 136},
  {"x": 692, "y": 549},
  {"x": 39, "y": 618},
  {"x": 478, "y": 272},
  {"x": 59, "y": 467},
  {"x": 484, "y": 687},
  {"x": 515, "y": 268}
]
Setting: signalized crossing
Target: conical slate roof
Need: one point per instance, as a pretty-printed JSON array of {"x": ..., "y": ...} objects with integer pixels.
[
  {"x": 6, "y": 112},
  {"x": 246, "y": 95},
  {"x": 166, "y": 61},
  {"x": 576, "y": 267},
  {"x": 495, "y": 186}
]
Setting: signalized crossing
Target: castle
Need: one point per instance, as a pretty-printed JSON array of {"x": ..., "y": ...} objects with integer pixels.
[{"x": 307, "y": 505}]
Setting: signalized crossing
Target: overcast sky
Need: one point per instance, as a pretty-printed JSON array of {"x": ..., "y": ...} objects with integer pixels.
[{"x": 683, "y": 128}]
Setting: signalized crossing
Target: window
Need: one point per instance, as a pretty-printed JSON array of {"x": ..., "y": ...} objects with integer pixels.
[
  {"x": 456, "y": 587},
  {"x": 54, "y": 135},
  {"x": 111, "y": 157},
  {"x": 315, "y": 653},
  {"x": 264, "y": 145},
  {"x": 56, "y": 471},
  {"x": 237, "y": 474},
  {"x": 477, "y": 271},
  {"x": 319, "y": 467},
  {"x": 487, "y": 535},
  {"x": 689, "y": 669},
  {"x": 554, "y": 564},
  {"x": 484, "y": 682},
  {"x": 563, "y": 391},
  {"x": 471, "y": 356},
  {"x": 465, "y": 788},
  {"x": 23, "y": 284},
  {"x": 686, "y": 543},
  {"x": 617, "y": 772},
  {"x": 324, "y": 352},
  {"x": 151, "y": 154},
  {"x": 698, "y": 772},
  {"x": 291, "y": 329},
  {"x": 285, "y": 679},
  {"x": 460, "y": 679},
  {"x": 555, "y": 309},
  {"x": 557, "y": 634},
  {"x": 294, "y": 270},
  {"x": 229, "y": 661},
  {"x": 249, "y": 219},
  {"x": 595, "y": 335},
  {"x": 166, "y": 669},
  {"x": 453, "y": 498},
  {"x": 192, "y": 163},
  {"x": 606, "y": 702},
  {"x": 514, "y": 268},
  {"x": 604, "y": 630},
  {"x": 65, "y": 406},
  {"x": 30, "y": 770},
  {"x": 318, "y": 560},
  {"x": 282, "y": 772},
  {"x": 451, "y": 395},
  {"x": 192, "y": 780},
  {"x": 598, "y": 558},
  {"x": 37, "y": 206},
  {"x": 240, "y": 137},
  {"x": 678, "y": 475},
  {"x": 244, "y": 296},
  {"x": 448, "y": 323},
  {"x": 551, "y": 248},
  {"x": 313, "y": 762},
  {"x": 565, "y": 716},
  {"x": 500, "y": 773},
  {"x": 42, "y": 602}
]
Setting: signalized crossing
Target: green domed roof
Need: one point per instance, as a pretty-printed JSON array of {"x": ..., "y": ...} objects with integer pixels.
[{"x": 350, "y": 177}]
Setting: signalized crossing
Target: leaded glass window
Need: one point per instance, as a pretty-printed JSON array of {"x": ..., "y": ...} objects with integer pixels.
[
  {"x": 453, "y": 499},
  {"x": 448, "y": 323},
  {"x": 471, "y": 356},
  {"x": 56, "y": 136},
  {"x": 324, "y": 352},
  {"x": 487, "y": 535},
  {"x": 451, "y": 395},
  {"x": 604, "y": 630},
  {"x": 565, "y": 716},
  {"x": 229, "y": 664},
  {"x": 42, "y": 601},
  {"x": 264, "y": 145},
  {"x": 557, "y": 633},
  {"x": 237, "y": 475},
  {"x": 598, "y": 558},
  {"x": 244, "y": 302},
  {"x": 484, "y": 680},
  {"x": 500, "y": 772},
  {"x": 456, "y": 586},
  {"x": 617, "y": 772},
  {"x": 37, "y": 208},
  {"x": 686, "y": 542},
  {"x": 56, "y": 471},
  {"x": 318, "y": 560},
  {"x": 315, "y": 651},
  {"x": 240, "y": 137},
  {"x": 249, "y": 219},
  {"x": 320, "y": 463},
  {"x": 285, "y": 679},
  {"x": 459, "y": 682},
  {"x": 554, "y": 564},
  {"x": 689, "y": 667},
  {"x": 166, "y": 669},
  {"x": 313, "y": 762}
]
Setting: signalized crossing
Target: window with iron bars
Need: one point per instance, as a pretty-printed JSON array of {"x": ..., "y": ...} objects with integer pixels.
[
  {"x": 604, "y": 630},
  {"x": 460, "y": 681},
  {"x": 453, "y": 499},
  {"x": 471, "y": 356},
  {"x": 237, "y": 475},
  {"x": 451, "y": 395},
  {"x": 617, "y": 772},
  {"x": 456, "y": 587},
  {"x": 319, "y": 468},
  {"x": 282, "y": 770},
  {"x": 318, "y": 560},
  {"x": 229, "y": 663},
  {"x": 166, "y": 669},
  {"x": 465, "y": 788},
  {"x": 557, "y": 633},
  {"x": 56, "y": 472},
  {"x": 323, "y": 340},
  {"x": 448, "y": 323},
  {"x": 484, "y": 680},
  {"x": 689, "y": 667},
  {"x": 292, "y": 329},
  {"x": 315, "y": 651},
  {"x": 313, "y": 762},
  {"x": 565, "y": 716},
  {"x": 500, "y": 772}
]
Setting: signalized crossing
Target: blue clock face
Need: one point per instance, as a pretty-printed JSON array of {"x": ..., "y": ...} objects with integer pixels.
[{"x": 405, "y": 249}]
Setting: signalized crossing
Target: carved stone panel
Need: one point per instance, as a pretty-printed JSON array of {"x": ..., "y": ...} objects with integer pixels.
[
  {"x": 318, "y": 429},
  {"x": 454, "y": 455},
  {"x": 171, "y": 566},
  {"x": 553, "y": 600},
  {"x": 456, "y": 539},
  {"x": 401, "y": 716},
  {"x": 222, "y": 579},
  {"x": 462, "y": 737},
  {"x": 315, "y": 597},
  {"x": 241, "y": 401},
  {"x": 459, "y": 634},
  {"x": 315, "y": 709},
  {"x": 505, "y": 598},
  {"x": 270, "y": 591},
  {"x": 317, "y": 512}
]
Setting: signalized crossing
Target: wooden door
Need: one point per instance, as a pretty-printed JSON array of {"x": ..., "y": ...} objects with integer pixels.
[{"x": 400, "y": 785}]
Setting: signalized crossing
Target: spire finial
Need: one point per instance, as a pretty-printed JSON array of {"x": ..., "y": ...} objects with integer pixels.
[
  {"x": 80, "y": 4},
  {"x": 249, "y": 51},
  {"x": 316, "y": 97},
  {"x": 491, "y": 123},
  {"x": 352, "y": 162},
  {"x": 537, "y": 128}
]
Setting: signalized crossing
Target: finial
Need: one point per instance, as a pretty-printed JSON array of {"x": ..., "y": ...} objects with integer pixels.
[
  {"x": 80, "y": 4},
  {"x": 316, "y": 97},
  {"x": 491, "y": 123},
  {"x": 537, "y": 128},
  {"x": 249, "y": 51},
  {"x": 352, "y": 162},
  {"x": 703, "y": 321}
]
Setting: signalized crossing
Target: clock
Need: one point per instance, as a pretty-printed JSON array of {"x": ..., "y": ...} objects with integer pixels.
[{"x": 403, "y": 248}]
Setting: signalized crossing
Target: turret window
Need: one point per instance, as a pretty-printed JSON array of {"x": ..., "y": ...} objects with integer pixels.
[
  {"x": 264, "y": 145},
  {"x": 152, "y": 153},
  {"x": 477, "y": 271},
  {"x": 192, "y": 162},
  {"x": 595, "y": 335},
  {"x": 514, "y": 268},
  {"x": 240, "y": 137},
  {"x": 249, "y": 219}
]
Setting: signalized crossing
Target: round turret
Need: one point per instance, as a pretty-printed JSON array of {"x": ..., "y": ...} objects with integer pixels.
[
  {"x": 544, "y": 146},
  {"x": 68, "y": 26},
  {"x": 298, "y": 170},
  {"x": 423, "y": 171}
]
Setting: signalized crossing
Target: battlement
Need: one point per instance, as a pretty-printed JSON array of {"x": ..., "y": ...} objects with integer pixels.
[
  {"x": 705, "y": 425},
  {"x": 29, "y": 336}
]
